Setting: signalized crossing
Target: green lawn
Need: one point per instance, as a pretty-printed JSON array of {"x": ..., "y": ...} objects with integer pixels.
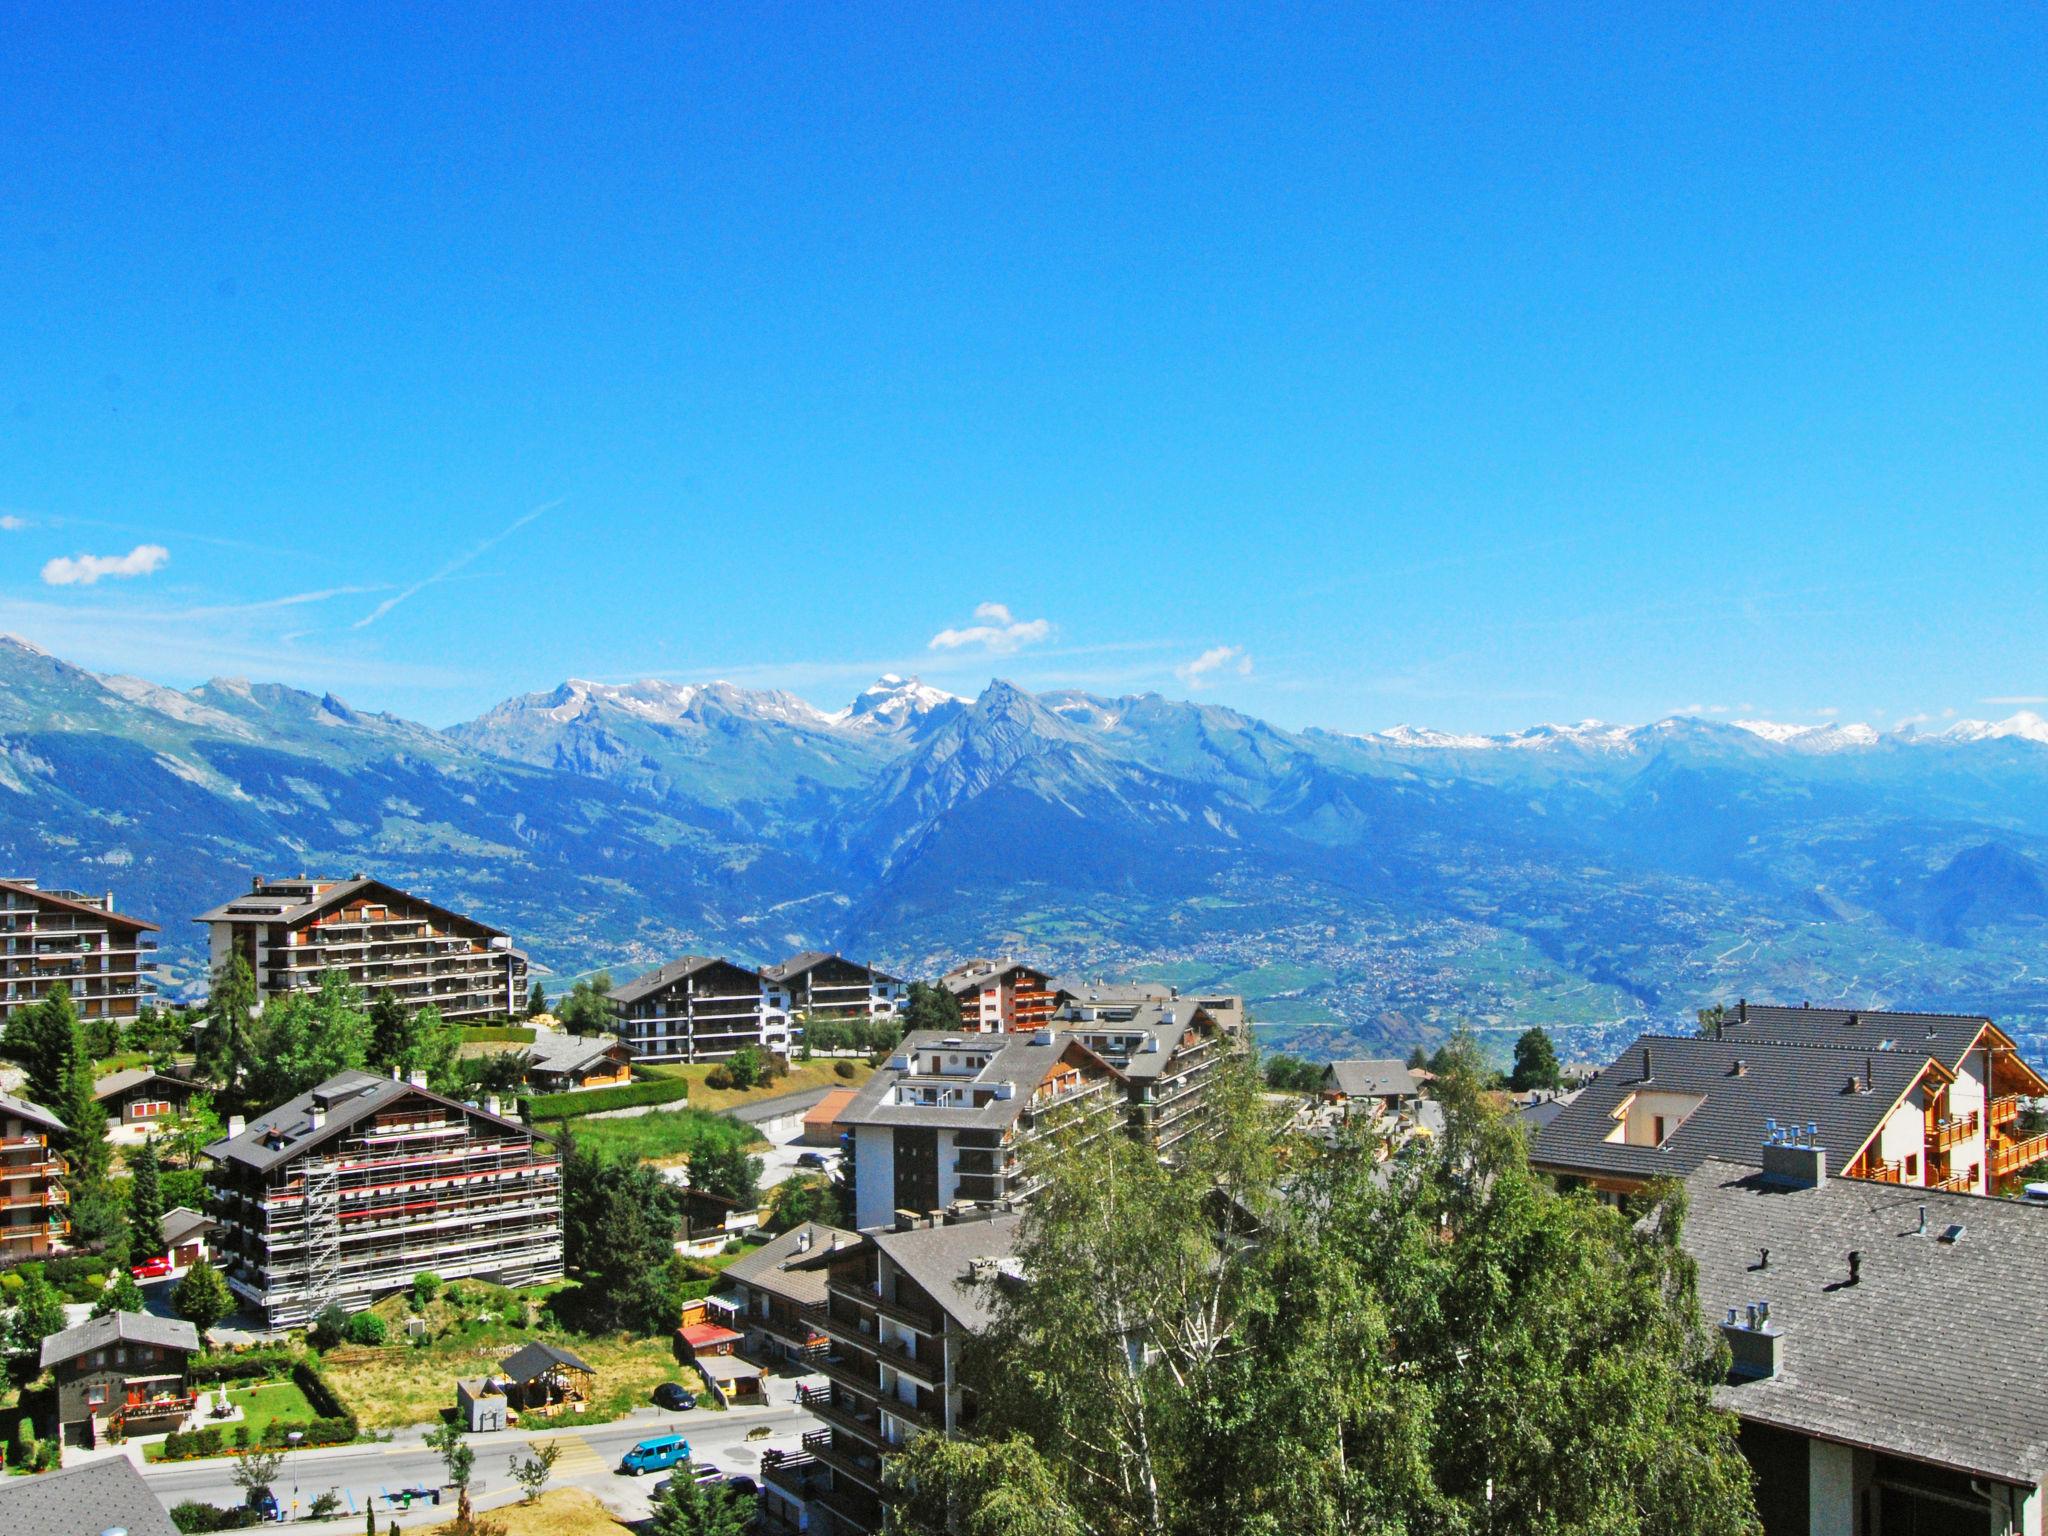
[
  {"x": 662, "y": 1135},
  {"x": 269, "y": 1401}
]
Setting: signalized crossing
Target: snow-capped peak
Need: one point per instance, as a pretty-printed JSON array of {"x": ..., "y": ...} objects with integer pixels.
[
  {"x": 1826, "y": 737},
  {"x": 892, "y": 703},
  {"x": 1405, "y": 735},
  {"x": 2024, "y": 726},
  {"x": 665, "y": 703}
]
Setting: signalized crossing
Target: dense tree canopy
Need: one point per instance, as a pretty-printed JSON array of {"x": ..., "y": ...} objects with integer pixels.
[
  {"x": 1290, "y": 1074},
  {"x": 1535, "y": 1061},
  {"x": 412, "y": 1041},
  {"x": 930, "y": 1006},
  {"x": 1278, "y": 1337},
  {"x": 587, "y": 1010},
  {"x": 226, "y": 1043},
  {"x": 304, "y": 1038},
  {"x": 619, "y": 1226}
]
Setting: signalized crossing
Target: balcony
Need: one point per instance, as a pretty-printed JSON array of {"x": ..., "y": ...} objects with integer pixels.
[
  {"x": 855, "y": 1376},
  {"x": 1956, "y": 1184},
  {"x": 2005, "y": 1109},
  {"x": 2016, "y": 1155},
  {"x": 863, "y": 1466},
  {"x": 1893, "y": 1172},
  {"x": 844, "y": 1417},
  {"x": 923, "y": 1319},
  {"x": 1944, "y": 1134}
]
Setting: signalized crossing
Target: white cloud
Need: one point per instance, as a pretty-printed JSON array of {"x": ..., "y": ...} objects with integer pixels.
[
  {"x": 84, "y": 570},
  {"x": 1830, "y": 712},
  {"x": 2016, "y": 698},
  {"x": 999, "y": 632},
  {"x": 1218, "y": 658},
  {"x": 9, "y": 523}
]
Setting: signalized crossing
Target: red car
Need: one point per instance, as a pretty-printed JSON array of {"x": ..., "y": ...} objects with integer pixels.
[{"x": 153, "y": 1269}]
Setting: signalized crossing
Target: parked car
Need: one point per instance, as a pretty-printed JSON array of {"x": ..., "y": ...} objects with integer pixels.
[
  {"x": 811, "y": 1160},
  {"x": 152, "y": 1269},
  {"x": 656, "y": 1455},
  {"x": 746, "y": 1487},
  {"x": 673, "y": 1395},
  {"x": 707, "y": 1472}
]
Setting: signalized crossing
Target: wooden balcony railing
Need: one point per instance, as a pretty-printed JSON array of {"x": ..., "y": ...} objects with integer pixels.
[
  {"x": 1956, "y": 1184},
  {"x": 1947, "y": 1133},
  {"x": 2005, "y": 1109},
  {"x": 2015, "y": 1155}
]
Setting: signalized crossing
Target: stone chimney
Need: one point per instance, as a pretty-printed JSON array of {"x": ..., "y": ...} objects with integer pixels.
[
  {"x": 236, "y": 1125},
  {"x": 416, "y": 1078}
]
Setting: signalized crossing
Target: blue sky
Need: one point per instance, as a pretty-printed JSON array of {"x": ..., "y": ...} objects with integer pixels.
[{"x": 1462, "y": 365}]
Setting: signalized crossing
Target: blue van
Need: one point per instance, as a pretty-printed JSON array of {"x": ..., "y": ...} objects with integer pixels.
[{"x": 655, "y": 1455}]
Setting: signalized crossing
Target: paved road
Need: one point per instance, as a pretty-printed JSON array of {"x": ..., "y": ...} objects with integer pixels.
[{"x": 590, "y": 1459}]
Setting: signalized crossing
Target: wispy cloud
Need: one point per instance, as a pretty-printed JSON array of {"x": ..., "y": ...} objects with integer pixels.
[
  {"x": 9, "y": 523},
  {"x": 998, "y": 632},
  {"x": 84, "y": 570},
  {"x": 2016, "y": 699},
  {"x": 1200, "y": 672},
  {"x": 406, "y": 594}
]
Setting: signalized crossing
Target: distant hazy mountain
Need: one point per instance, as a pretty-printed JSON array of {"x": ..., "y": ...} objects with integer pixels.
[{"x": 1363, "y": 890}]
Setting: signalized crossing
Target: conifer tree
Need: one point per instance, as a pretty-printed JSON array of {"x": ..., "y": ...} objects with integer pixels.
[
  {"x": 226, "y": 1048},
  {"x": 145, "y": 1204}
]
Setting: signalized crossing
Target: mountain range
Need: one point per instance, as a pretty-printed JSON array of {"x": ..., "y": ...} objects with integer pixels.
[{"x": 1363, "y": 891}]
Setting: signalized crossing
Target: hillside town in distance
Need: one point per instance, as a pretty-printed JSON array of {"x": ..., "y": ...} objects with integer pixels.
[{"x": 752, "y": 1223}]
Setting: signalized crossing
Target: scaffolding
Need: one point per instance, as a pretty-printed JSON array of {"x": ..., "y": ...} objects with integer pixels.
[{"x": 322, "y": 1186}]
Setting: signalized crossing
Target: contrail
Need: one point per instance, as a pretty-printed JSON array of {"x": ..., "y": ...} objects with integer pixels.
[{"x": 452, "y": 566}]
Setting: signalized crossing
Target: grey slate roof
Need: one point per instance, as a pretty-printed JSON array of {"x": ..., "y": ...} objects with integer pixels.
[
  {"x": 1947, "y": 1037},
  {"x": 661, "y": 978},
  {"x": 131, "y": 1077},
  {"x": 1017, "y": 1058},
  {"x": 1792, "y": 1084},
  {"x": 34, "y": 1114},
  {"x": 553, "y": 1051},
  {"x": 1372, "y": 1079},
  {"x": 181, "y": 1222},
  {"x": 121, "y": 1327},
  {"x": 769, "y": 1267},
  {"x": 68, "y": 901},
  {"x": 349, "y": 1097},
  {"x": 102, "y": 1495},
  {"x": 1936, "y": 1354},
  {"x": 973, "y": 975},
  {"x": 937, "y": 1258},
  {"x": 1163, "y": 1020}
]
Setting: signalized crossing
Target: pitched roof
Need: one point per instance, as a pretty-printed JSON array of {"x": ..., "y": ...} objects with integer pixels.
[
  {"x": 769, "y": 1267},
  {"x": 292, "y": 902},
  {"x": 70, "y": 903},
  {"x": 706, "y": 1335},
  {"x": 973, "y": 975},
  {"x": 346, "y": 1098},
  {"x": 104, "y": 1495},
  {"x": 940, "y": 1259},
  {"x": 661, "y": 978},
  {"x": 122, "y": 1327},
  {"x": 1947, "y": 1037},
  {"x": 797, "y": 965},
  {"x": 34, "y": 1114},
  {"x": 181, "y": 1222},
  {"x": 1371, "y": 1079},
  {"x": 554, "y": 1051},
  {"x": 1878, "y": 1363},
  {"x": 537, "y": 1359},
  {"x": 826, "y": 1111},
  {"x": 1018, "y": 1060},
  {"x": 131, "y": 1077},
  {"x": 1743, "y": 1084},
  {"x": 1152, "y": 1031}
]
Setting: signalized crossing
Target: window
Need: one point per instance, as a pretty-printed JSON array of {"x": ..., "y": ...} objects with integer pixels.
[
  {"x": 1657, "y": 1130},
  {"x": 1912, "y": 1167}
]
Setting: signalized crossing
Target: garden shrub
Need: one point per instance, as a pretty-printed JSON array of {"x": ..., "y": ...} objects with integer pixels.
[{"x": 364, "y": 1328}]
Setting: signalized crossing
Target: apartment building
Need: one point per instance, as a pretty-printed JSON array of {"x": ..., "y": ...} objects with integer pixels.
[
  {"x": 381, "y": 938},
  {"x": 827, "y": 986},
  {"x": 1166, "y": 1050},
  {"x": 344, "y": 1193},
  {"x": 996, "y": 995},
  {"x": 950, "y": 1118},
  {"x": 1672, "y": 1101},
  {"x": 1888, "y": 1369},
  {"x": 1970, "y": 1142},
  {"x": 33, "y": 1201},
  {"x": 700, "y": 1008},
  {"x": 107, "y": 960},
  {"x": 899, "y": 1308},
  {"x": 776, "y": 1297}
]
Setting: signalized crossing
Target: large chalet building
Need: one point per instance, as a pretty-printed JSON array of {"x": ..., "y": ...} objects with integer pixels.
[
  {"x": 106, "y": 960},
  {"x": 898, "y": 1309},
  {"x": 701, "y": 1008},
  {"x": 827, "y": 986},
  {"x": 1167, "y": 1051},
  {"x": 33, "y": 1201},
  {"x": 948, "y": 1119},
  {"x": 346, "y": 1192},
  {"x": 1931, "y": 1100},
  {"x": 381, "y": 938},
  {"x": 999, "y": 995}
]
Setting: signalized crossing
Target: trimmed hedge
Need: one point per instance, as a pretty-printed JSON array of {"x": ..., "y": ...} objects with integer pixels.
[
  {"x": 567, "y": 1106},
  {"x": 326, "y": 1402},
  {"x": 250, "y": 1365},
  {"x": 192, "y": 1517}
]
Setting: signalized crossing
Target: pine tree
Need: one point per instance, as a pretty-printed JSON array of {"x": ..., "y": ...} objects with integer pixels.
[
  {"x": 202, "y": 1297},
  {"x": 145, "y": 1203},
  {"x": 226, "y": 1048},
  {"x": 536, "y": 1000},
  {"x": 52, "y": 1047},
  {"x": 390, "y": 1030},
  {"x": 931, "y": 1006},
  {"x": 1535, "y": 1062},
  {"x": 38, "y": 1313}
]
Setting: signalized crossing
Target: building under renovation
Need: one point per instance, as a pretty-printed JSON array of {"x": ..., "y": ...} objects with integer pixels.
[{"x": 345, "y": 1193}]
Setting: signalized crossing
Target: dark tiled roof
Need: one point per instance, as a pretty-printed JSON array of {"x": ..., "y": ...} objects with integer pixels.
[
  {"x": 1936, "y": 1353},
  {"x": 124, "y": 1327},
  {"x": 1944, "y": 1036},
  {"x": 796, "y": 965},
  {"x": 34, "y": 1114},
  {"x": 348, "y": 1097},
  {"x": 769, "y": 1267},
  {"x": 663, "y": 977},
  {"x": 287, "y": 902},
  {"x": 134, "y": 1077},
  {"x": 181, "y": 1222},
  {"x": 536, "y": 1359},
  {"x": 938, "y": 1259},
  {"x": 100, "y": 1496},
  {"x": 85, "y": 908},
  {"x": 553, "y": 1051},
  {"x": 1791, "y": 1084},
  {"x": 1370, "y": 1079}
]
